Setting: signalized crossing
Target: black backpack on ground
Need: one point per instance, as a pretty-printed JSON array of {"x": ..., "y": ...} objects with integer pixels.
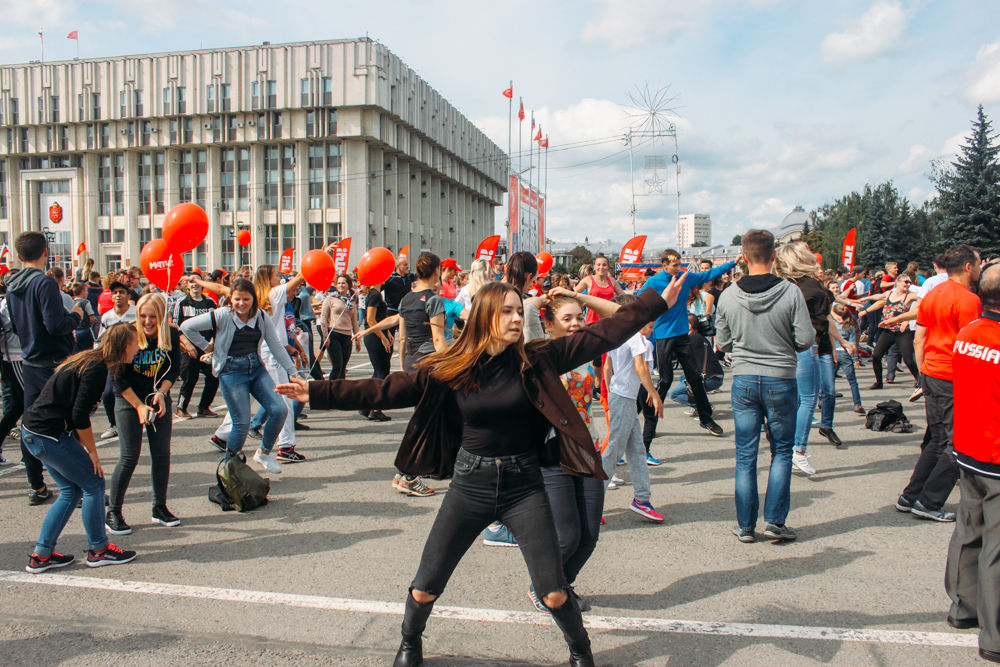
[{"x": 888, "y": 416}]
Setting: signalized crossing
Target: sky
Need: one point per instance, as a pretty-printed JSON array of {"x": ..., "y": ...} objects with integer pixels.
[{"x": 776, "y": 103}]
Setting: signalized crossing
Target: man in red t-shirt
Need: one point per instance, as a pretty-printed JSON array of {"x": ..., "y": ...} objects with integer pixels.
[
  {"x": 943, "y": 313},
  {"x": 972, "y": 577}
]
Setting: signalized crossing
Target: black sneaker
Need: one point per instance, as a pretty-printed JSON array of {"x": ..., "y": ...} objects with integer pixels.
[
  {"x": 904, "y": 504},
  {"x": 301, "y": 427},
  {"x": 877, "y": 385},
  {"x": 37, "y": 564},
  {"x": 712, "y": 427},
  {"x": 288, "y": 455},
  {"x": 218, "y": 443},
  {"x": 255, "y": 434},
  {"x": 116, "y": 525},
  {"x": 378, "y": 416},
  {"x": 163, "y": 516},
  {"x": 39, "y": 497},
  {"x": 364, "y": 413},
  {"x": 112, "y": 555},
  {"x": 965, "y": 624},
  {"x": 831, "y": 436}
]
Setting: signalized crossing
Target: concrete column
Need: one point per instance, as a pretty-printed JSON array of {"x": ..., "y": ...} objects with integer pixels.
[
  {"x": 354, "y": 220},
  {"x": 213, "y": 191}
]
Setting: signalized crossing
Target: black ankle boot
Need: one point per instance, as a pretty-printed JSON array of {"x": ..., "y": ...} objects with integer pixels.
[
  {"x": 411, "y": 649},
  {"x": 569, "y": 620}
]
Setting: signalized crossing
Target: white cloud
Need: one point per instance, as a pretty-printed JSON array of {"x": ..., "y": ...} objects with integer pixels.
[
  {"x": 985, "y": 74},
  {"x": 877, "y": 32},
  {"x": 917, "y": 159}
]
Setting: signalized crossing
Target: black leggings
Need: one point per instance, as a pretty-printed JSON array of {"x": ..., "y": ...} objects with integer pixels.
[
  {"x": 13, "y": 387},
  {"x": 577, "y": 506},
  {"x": 130, "y": 444},
  {"x": 379, "y": 356},
  {"x": 339, "y": 351},
  {"x": 904, "y": 341},
  {"x": 190, "y": 370}
]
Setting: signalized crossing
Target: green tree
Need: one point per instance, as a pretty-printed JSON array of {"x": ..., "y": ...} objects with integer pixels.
[
  {"x": 969, "y": 191},
  {"x": 812, "y": 236},
  {"x": 737, "y": 240},
  {"x": 699, "y": 244},
  {"x": 876, "y": 229},
  {"x": 582, "y": 255}
]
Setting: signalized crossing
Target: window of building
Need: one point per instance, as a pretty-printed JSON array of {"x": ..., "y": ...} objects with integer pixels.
[
  {"x": 228, "y": 249},
  {"x": 200, "y": 177},
  {"x": 227, "y": 102},
  {"x": 41, "y": 109},
  {"x": 145, "y": 236},
  {"x": 228, "y": 189},
  {"x": 145, "y": 183},
  {"x": 64, "y": 138},
  {"x": 271, "y": 252},
  {"x": 24, "y": 140},
  {"x": 310, "y": 123},
  {"x": 166, "y": 101},
  {"x": 90, "y": 136},
  {"x": 104, "y": 186},
  {"x": 95, "y": 106},
  {"x": 11, "y": 141},
  {"x": 3, "y": 188},
  {"x": 210, "y": 98},
  {"x": 81, "y": 108},
  {"x": 305, "y": 101},
  {"x": 112, "y": 262},
  {"x": 288, "y": 176},
  {"x": 54, "y": 103},
  {"x": 216, "y": 128},
  {"x": 137, "y": 96},
  {"x": 197, "y": 258},
  {"x": 159, "y": 181},
  {"x": 13, "y": 112},
  {"x": 119, "y": 172},
  {"x": 317, "y": 175},
  {"x": 230, "y": 128},
  {"x": 275, "y": 125},
  {"x": 105, "y": 135},
  {"x": 123, "y": 103},
  {"x": 131, "y": 133},
  {"x": 119, "y": 236},
  {"x": 181, "y": 100},
  {"x": 173, "y": 130},
  {"x": 334, "y": 175},
  {"x": 272, "y": 94},
  {"x": 287, "y": 237},
  {"x": 104, "y": 236},
  {"x": 316, "y": 237},
  {"x": 188, "y": 129},
  {"x": 254, "y": 95},
  {"x": 331, "y": 123},
  {"x": 185, "y": 175},
  {"x": 327, "y": 91},
  {"x": 272, "y": 176},
  {"x": 49, "y": 139},
  {"x": 147, "y": 132},
  {"x": 243, "y": 180},
  {"x": 261, "y": 126}
]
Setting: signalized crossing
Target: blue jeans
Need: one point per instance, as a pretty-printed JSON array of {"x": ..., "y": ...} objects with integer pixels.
[
  {"x": 678, "y": 393},
  {"x": 754, "y": 398},
  {"x": 846, "y": 364},
  {"x": 241, "y": 378},
  {"x": 813, "y": 374},
  {"x": 260, "y": 416},
  {"x": 70, "y": 466}
]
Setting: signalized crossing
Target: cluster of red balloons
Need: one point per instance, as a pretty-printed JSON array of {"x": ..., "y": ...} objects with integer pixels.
[
  {"x": 374, "y": 268},
  {"x": 184, "y": 228}
]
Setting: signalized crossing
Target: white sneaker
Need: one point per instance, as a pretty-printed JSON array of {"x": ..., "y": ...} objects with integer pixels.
[
  {"x": 5, "y": 462},
  {"x": 267, "y": 462},
  {"x": 615, "y": 482},
  {"x": 801, "y": 461},
  {"x": 691, "y": 412},
  {"x": 110, "y": 433}
]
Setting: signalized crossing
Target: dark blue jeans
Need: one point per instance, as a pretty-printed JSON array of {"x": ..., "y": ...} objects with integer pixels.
[
  {"x": 508, "y": 489},
  {"x": 70, "y": 466},
  {"x": 577, "y": 504},
  {"x": 755, "y": 397},
  {"x": 241, "y": 378}
]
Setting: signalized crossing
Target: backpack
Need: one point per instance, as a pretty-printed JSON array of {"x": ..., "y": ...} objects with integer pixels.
[
  {"x": 238, "y": 486},
  {"x": 888, "y": 416}
]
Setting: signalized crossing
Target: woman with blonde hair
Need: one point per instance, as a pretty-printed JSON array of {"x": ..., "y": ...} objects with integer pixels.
[
  {"x": 509, "y": 397},
  {"x": 479, "y": 275},
  {"x": 815, "y": 369},
  {"x": 142, "y": 399}
]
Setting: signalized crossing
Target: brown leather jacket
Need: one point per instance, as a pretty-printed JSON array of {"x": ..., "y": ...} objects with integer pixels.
[{"x": 434, "y": 434}]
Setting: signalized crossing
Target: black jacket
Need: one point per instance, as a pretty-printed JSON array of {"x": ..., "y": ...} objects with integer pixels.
[
  {"x": 40, "y": 320},
  {"x": 67, "y": 401}
]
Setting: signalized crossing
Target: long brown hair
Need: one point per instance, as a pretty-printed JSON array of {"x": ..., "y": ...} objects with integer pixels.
[
  {"x": 114, "y": 345},
  {"x": 262, "y": 285},
  {"x": 458, "y": 366}
]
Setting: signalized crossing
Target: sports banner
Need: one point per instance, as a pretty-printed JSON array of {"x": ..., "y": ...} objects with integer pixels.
[
  {"x": 285, "y": 264},
  {"x": 848, "y": 254},
  {"x": 527, "y": 218},
  {"x": 341, "y": 253},
  {"x": 631, "y": 254},
  {"x": 488, "y": 248}
]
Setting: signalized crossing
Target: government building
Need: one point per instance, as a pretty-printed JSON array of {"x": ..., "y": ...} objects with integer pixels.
[{"x": 301, "y": 144}]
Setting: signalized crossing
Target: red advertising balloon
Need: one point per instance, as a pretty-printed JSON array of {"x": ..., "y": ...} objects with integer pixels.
[
  {"x": 544, "y": 260},
  {"x": 376, "y": 266},
  {"x": 243, "y": 238},
  {"x": 318, "y": 269},
  {"x": 162, "y": 267},
  {"x": 819, "y": 257},
  {"x": 184, "y": 227}
]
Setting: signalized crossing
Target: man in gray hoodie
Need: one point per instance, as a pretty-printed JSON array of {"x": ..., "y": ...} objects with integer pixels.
[{"x": 764, "y": 322}]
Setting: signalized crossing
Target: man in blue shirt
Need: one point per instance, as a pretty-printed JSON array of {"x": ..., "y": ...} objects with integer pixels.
[{"x": 671, "y": 335}]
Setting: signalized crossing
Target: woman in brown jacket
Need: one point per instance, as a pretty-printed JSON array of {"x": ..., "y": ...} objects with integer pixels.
[{"x": 492, "y": 411}]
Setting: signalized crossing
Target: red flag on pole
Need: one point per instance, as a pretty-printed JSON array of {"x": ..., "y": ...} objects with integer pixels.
[
  {"x": 544, "y": 143},
  {"x": 848, "y": 253},
  {"x": 520, "y": 113},
  {"x": 539, "y": 137},
  {"x": 341, "y": 253},
  {"x": 82, "y": 249},
  {"x": 488, "y": 248},
  {"x": 72, "y": 35},
  {"x": 285, "y": 265},
  {"x": 509, "y": 93}
]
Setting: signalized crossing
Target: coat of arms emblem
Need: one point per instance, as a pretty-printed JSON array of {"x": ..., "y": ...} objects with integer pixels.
[{"x": 55, "y": 212}]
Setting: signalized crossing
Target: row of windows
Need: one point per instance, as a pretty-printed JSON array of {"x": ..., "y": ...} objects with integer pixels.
[
  {"x": 269, "y": 126},
  {"x": 218, "y": 98}
]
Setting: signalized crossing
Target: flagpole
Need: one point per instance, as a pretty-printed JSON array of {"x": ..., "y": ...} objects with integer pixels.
[
  {"x": 520, "y": 131},
  {"x": 531, "y": 160},
  {"x": 510, "y": 115},
  {"x": 41, "y": 40},
  {"x": 546, "y": 176}
]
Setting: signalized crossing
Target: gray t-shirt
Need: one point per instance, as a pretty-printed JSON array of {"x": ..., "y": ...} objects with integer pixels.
[{"x": 417, "y": 309}]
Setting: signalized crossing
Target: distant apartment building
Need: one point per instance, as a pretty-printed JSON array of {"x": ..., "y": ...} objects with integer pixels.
[{"x": 694, "y": 228}]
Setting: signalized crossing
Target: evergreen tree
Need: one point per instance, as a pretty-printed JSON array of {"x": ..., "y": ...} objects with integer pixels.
[
  {"x": 813, "y": 237},
  {"x": 876, "y": 230},
  {"x": 737, "y": 240},
  {"x": 969, "y": 192}
]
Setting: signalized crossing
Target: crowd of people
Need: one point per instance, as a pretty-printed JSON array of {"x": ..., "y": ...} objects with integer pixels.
[{"x": 502, "y": 368}]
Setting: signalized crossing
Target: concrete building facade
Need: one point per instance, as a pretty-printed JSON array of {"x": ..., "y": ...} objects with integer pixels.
[
  {"x": 302, "y": 144},
  {"x": 693, "y": 228}
]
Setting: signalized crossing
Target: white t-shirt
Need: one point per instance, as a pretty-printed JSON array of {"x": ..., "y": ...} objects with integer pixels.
[
  {"x": 279, "y": 297},
  {"x": 111, "y": 318},
  {"x": 624, "y": 381},
  {"x": 922, "y": 291},
  {"x": 464, "y": 298}
]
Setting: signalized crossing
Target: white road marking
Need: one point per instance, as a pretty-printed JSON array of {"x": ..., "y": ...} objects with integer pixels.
[
  {"x": 20, "y": 466},
  {"x": 634, "y": 624}
]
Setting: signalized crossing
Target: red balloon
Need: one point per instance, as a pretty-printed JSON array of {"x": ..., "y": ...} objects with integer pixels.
[
  {"x": 4, "y": 268},
  {"x": 184, "y": 227},
  {"x": 162, "y": 267},
  {"x": 376, "y": 266},
  {"x": 318, "y": 269},
  {"x": 819, "y": 257},
  {"x": 544, "y": 260},
  {"x": 243, "y": 238}
]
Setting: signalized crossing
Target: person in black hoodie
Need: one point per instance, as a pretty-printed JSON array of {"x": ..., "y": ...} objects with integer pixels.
[{"x": 46, "y": 333}]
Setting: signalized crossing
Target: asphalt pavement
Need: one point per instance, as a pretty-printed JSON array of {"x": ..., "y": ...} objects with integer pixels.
[{"x": 319, "y": 574}]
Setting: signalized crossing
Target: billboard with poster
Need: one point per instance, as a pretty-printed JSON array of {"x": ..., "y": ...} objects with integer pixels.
[{"x": 527, "y": 218}]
